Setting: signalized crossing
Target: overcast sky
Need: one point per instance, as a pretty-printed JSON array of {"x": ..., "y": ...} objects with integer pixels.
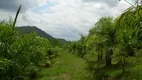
[{"x": 61, "y": 18}]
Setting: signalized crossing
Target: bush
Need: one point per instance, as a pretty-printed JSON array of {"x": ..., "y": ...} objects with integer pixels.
[{"x": 21, "y": 54}]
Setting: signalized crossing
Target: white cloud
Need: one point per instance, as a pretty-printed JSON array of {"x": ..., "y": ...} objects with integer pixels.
[{"x": 68, "y": 18}]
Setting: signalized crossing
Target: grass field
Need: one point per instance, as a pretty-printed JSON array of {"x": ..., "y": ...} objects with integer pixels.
[
  {"x": 70, "y": 67},
  {"x": 66, "y": 67}
]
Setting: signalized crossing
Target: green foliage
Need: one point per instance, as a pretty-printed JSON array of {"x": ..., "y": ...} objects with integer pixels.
[
  {"x": 112, "y": 51},
  {"x": 129, "y": 33},
  {"x": 53, "y": 52},
  {"x": 112, "y": 42},
  {"x": 20, "y": 52},
  {"x": 21, "y": 55}
]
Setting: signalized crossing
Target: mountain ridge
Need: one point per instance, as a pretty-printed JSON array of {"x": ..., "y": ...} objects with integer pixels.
[{"x": 30, "y": 29}]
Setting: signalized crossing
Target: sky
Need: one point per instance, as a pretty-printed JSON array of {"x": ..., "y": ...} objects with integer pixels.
[{"x": 61, "y": 18}]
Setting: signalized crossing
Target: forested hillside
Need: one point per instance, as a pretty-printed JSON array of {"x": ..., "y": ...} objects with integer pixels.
[
  {"x": 39, "y": 32},
  {"x": 30, "y": 29},
  {"x": 112, "y": 50}
]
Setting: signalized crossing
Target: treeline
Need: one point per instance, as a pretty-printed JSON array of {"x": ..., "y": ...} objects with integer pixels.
[
  {"x": 112, "y": 49},
  {"x": 23, "y": 55},
  {"x": 112, "y": 44}
]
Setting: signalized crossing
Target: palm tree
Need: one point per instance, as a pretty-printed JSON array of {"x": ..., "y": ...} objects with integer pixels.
[
  {"x": 82, "y": 45},
  {"x": 104, "y": 34},
  {"x": 129, "y": 31}
]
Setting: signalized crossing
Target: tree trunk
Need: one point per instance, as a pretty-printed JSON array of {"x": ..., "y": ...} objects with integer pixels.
[
  {"x": 123, "y": 69},
  {"x": 108, "y": 58},
  {"x": 100, "y": 54},
  {"x": 84, "y": 51}
]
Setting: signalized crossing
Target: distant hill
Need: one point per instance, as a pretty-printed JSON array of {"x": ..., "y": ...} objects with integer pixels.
[{"x": 30, "y": 29}]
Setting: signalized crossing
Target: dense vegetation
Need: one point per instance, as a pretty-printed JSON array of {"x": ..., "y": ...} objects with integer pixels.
[
  {"x": 113, "y": 46},
  {"x": 22, "y": 55},
  {"x": 111, "y": 51}
]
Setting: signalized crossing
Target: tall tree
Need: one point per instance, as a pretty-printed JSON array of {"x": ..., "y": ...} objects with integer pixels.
[
  {"x": 129, "y": 25},
  {"x": 104, "y": 34}
]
